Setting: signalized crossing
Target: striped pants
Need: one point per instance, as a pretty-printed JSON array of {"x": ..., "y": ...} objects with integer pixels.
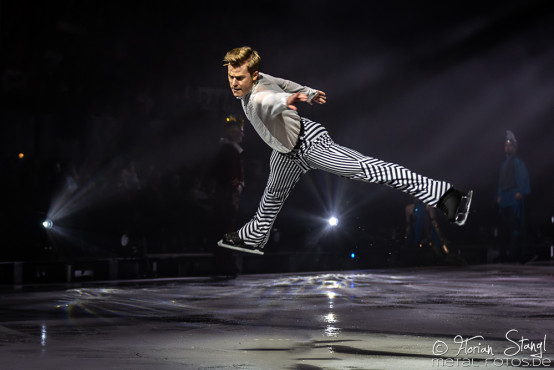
[{"x": 318, "y": 151}]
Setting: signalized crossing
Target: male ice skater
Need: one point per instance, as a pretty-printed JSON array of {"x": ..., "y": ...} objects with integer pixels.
[{"x": 300, "y": 145}]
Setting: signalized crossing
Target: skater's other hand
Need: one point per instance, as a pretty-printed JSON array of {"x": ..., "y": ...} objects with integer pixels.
[{"x": 319, "y": 98}]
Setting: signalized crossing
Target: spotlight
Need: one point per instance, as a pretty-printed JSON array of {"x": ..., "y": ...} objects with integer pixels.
[
  {"x": 333, "y": 221},
  {"x": 352, "y": 255},
  {"x": 47, "y": 224}
]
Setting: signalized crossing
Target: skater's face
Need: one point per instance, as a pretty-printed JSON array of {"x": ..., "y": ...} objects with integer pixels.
[
  {"x": 240, "y": 80},
  {"x": 509, "y": 148}
]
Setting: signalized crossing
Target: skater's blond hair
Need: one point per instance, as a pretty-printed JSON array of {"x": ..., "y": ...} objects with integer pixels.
[{"x": 245, "y": 54}]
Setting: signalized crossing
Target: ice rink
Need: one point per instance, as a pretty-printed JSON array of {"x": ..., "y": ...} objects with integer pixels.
[{"x": 488, "y": 316}]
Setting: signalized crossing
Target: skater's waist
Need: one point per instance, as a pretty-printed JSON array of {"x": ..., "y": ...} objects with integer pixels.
[
  {"x": 310, "y": 132},
  {"x": 300, "y": 138}
]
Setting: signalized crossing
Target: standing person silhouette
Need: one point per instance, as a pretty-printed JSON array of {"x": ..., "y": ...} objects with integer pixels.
[
  {"x": 228, "y": 173},
  {"x": 513, "y": 188}
]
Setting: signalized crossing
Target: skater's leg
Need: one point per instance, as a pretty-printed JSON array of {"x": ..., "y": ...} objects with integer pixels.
[
  {"x": 333, "y": 158},
  {"x": 284, "y": 173}
]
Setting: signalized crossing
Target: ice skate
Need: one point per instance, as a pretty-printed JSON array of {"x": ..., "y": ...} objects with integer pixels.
[
  {"x": 455, "y": 205},
  {"x": 233, "y": 241}
]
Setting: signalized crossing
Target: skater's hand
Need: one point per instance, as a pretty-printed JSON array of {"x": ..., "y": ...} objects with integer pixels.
[
  {"x": 291, "y": 100},
  {"x": 319, "y": 98}
]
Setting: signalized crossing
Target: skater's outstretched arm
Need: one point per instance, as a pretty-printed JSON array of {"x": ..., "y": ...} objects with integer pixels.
[
  {"x": 292, "y": 87},
  {"x": 289, "y": 86}
]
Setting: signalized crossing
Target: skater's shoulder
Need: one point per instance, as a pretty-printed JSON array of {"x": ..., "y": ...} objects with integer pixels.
[
  {"x": 268, "y": 79},
  {"x": 265, "y": 83}
]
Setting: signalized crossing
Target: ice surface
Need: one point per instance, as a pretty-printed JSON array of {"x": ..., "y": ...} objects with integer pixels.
[{"x": 378, "y": 319}]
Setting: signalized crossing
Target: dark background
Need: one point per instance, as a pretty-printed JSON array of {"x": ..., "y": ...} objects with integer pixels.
[{"x": 118, "y": 108}]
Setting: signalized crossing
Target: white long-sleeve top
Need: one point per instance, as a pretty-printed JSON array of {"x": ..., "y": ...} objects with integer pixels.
[{"x": 265, "y": 107}]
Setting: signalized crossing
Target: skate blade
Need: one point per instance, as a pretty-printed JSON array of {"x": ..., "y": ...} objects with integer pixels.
[
  {"x": 461, "y": 218},
  {"x": 233, "y": 247}
]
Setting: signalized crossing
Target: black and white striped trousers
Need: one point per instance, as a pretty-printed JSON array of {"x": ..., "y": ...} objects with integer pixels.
[{"x": 318, "y": 151}]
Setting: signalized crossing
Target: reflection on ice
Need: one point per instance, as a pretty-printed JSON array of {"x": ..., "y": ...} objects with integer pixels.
[
  {"x": 43, "y": 337},
  {"x": 306, "y": 300},
  {"x": 330, "y": 318},
  {"x": 331, "y": 331}
]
